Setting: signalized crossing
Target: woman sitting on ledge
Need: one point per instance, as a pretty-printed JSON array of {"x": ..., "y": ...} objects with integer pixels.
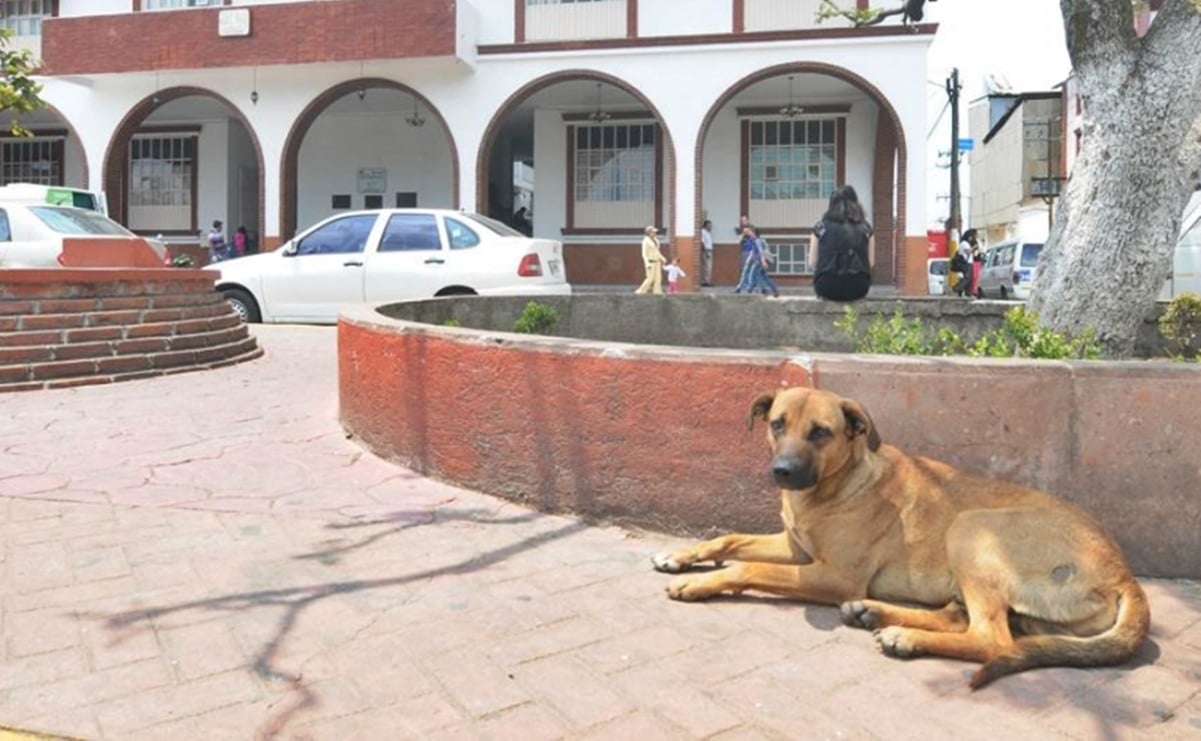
[{"x": 845, "y": 249}]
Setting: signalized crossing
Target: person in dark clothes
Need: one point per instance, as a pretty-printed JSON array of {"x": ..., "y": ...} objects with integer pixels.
[{"x": 845, "y": 249}]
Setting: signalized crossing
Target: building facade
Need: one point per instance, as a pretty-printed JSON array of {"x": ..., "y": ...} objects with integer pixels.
[
  {"x": 598, "y": 116},
  {"x": 1017, "y": 169}
]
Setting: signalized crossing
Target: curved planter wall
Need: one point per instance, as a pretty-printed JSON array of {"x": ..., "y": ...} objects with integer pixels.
[
  {"x": 74, "y": 327},
  {"x": 656, "y": 436}
]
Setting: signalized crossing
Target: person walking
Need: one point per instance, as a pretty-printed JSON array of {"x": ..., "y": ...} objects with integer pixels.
[
  {"x": 216, "y": 239},
  {"x": 845, "y": 249},
  {"x": 761, "y": 259},
  {"x": 674, "y": 273},
  {"x": 707, "y": 253},
  {"x": 652, "y": 259},
  {"x": 746, "y": 257}
]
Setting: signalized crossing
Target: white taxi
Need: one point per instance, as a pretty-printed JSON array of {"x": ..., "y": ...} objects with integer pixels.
[{"x": 385, "y": 255}]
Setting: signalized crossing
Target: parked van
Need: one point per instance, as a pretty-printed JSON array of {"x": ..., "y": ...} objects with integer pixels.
[
  {"x": 936, "y": 275},
  {"x": 1186, "y": 262},
  {"x": 53, "y": 195},
  {"x": 1009, "y": 270}
]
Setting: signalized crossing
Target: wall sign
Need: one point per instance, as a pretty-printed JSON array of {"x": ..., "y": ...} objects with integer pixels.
[
  {"x": 373, "y": 179},
  {"x": 233, "y": 22}
]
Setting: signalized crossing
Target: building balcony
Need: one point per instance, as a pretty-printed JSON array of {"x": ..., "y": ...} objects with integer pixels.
[{"x": 257, "y": 35}]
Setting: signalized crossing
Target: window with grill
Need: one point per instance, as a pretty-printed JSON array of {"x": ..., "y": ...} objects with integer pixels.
[
  {"x": 24, "y": 17},
  {"x": 792, "y": 256},
  {"x": 793, "y": 160},
  {"x": 31, "y": 161},
  {"x": 161, "y": 169},
  {"x": 615, "y": 163}
]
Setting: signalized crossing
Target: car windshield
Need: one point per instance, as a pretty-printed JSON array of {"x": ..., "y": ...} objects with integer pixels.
[
  {"x": 494, "y": 226},
  {"x": 1030, "y": 255},
  {"x": 77, "y": 221}
]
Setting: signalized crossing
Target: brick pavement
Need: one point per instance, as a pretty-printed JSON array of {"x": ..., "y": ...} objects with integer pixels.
[{"x": 206, "y": 556}]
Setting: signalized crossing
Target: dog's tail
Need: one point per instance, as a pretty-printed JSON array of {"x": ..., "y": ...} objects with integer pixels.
[{"x": 1114, "y": 646}]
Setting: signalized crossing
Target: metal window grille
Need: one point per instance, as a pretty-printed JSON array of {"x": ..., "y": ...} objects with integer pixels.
[
  {"x": 793, "y": 159},
  {"x": 32, "y": 161},
  {"x": 615, "y": 162},
  {"x": 792, "y": 257},
  {"x": 24, "y": 17},
  {"x": 161, "y": 169}
]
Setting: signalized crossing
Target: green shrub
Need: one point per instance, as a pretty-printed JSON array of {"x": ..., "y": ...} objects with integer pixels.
[
  {"x": 536, "y": 318},
  {"x": 1180, "y": 323},
  {"x": 452, "y": 322},
  {"x": 896, "y": 336},
  {"x": 1021, "y": 336}
]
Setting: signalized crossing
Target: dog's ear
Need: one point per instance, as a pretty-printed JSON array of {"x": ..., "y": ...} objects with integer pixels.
[
  {"x": 859, "y": 422},
  {"x": 760, "y": 407}
]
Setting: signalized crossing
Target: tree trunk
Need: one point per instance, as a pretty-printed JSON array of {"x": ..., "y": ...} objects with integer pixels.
[{"x": 1110, "y": 249}]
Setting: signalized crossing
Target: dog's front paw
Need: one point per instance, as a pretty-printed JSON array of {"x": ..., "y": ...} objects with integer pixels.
[
  {"x": 690, "y": 588},
  {"x": 858, "y": 615},
  {"x": 897, "y": 642},
  {"x": 670, "y": 563}
]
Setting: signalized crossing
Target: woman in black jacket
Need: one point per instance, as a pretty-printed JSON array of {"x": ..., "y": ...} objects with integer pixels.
[{"x": 845, "y": 249}]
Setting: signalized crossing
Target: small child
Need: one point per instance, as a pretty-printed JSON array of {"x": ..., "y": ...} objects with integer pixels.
[{"x": 674, "y": 273}]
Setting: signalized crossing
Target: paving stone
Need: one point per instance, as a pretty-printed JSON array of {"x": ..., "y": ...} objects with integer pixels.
[{"x": 197, "y": 572}]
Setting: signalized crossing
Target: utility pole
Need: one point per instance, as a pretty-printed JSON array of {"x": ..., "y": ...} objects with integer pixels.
[
  {"x": 955, "y": 222},
  {"x": 956, "y": 217}
]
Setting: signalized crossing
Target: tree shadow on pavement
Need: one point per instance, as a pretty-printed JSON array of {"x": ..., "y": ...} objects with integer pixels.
[{"x": 295, "y": 600}]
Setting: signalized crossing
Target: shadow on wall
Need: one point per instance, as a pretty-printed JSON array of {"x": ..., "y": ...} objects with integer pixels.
[{"x": 656, "y": 436}]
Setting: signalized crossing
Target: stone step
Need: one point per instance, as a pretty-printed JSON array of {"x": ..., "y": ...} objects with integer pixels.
[{"x": 66, "y": 374}]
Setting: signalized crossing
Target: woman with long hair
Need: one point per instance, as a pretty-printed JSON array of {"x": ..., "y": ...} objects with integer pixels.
[{"x": 845, "y": 249}]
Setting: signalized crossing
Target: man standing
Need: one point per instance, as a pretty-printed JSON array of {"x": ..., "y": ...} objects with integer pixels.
[
  {"x": 707, "y": 253},
  {"x": 652, "y": 258}
]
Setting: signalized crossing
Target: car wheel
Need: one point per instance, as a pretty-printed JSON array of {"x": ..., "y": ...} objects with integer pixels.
[
  {"x": 1004, "y": 293},
  {"x": 243, "y": 304},
  {"x": 455, "y": 291}
]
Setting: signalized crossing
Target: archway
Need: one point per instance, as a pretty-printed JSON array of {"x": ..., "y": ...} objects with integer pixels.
[
  {"x": 592, "y": 158},
  {"x": 394, "y": 156},
  {"x": 790, "y": 100},
  {"x": 52, "y": 155},
  {"x": 153, "y": 173}
]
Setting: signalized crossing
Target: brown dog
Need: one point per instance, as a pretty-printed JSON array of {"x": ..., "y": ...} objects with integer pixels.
[{"x": 1018, "y": 578}]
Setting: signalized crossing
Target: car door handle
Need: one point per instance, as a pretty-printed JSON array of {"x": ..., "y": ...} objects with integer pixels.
[
  {"x": 435, "y": 261},
  {"x": 353, "y": 264}
]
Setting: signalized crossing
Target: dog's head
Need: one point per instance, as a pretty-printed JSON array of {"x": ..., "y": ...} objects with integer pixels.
[{"x": 813, "y": 434}]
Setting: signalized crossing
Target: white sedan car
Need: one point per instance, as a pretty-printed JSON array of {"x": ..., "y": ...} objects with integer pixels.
[
  {"x": 389, "y": 255},
  {"x": 31, "y": 233}
]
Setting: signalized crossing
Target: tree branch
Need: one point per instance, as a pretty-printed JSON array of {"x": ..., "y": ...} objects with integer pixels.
[{"x": 1100, "y": 40}]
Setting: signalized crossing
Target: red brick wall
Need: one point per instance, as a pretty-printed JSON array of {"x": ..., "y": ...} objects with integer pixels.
[
  {"x": 73, "y": 327},
  {"x": 581, "y": 431},
  {"x": 287, "y": 33}
]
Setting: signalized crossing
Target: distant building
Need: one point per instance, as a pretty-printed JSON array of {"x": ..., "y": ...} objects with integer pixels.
[
  {"x": 274, "y": 114},
  {"x": 1017, "y": 164}
]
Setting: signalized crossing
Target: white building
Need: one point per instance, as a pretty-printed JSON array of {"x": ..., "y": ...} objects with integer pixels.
[{"x": 273, "y": 115}]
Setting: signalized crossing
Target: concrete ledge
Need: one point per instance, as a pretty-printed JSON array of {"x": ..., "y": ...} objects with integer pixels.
[{"x": 656, "y": 436}]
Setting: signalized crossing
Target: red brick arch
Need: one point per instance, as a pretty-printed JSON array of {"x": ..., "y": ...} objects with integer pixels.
[
  {"x": 890, "y": 138},
  {"x": 570, "y": 75},
  {"x": 116, "y": 159},
  {"x": 289, "y": 169}
]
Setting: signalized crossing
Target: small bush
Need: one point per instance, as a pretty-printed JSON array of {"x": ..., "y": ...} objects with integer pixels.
[
  {"x": 896, "y": 336},
  {"x": 1020, "y": 337},
  {"x": 452, "y": 322},
  {"x": 536, "y": 318},
  {"x": 1180, "y": 323}
]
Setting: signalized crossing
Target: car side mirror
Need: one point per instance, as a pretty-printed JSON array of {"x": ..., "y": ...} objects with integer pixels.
[{"x": 290, "y": 249}]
